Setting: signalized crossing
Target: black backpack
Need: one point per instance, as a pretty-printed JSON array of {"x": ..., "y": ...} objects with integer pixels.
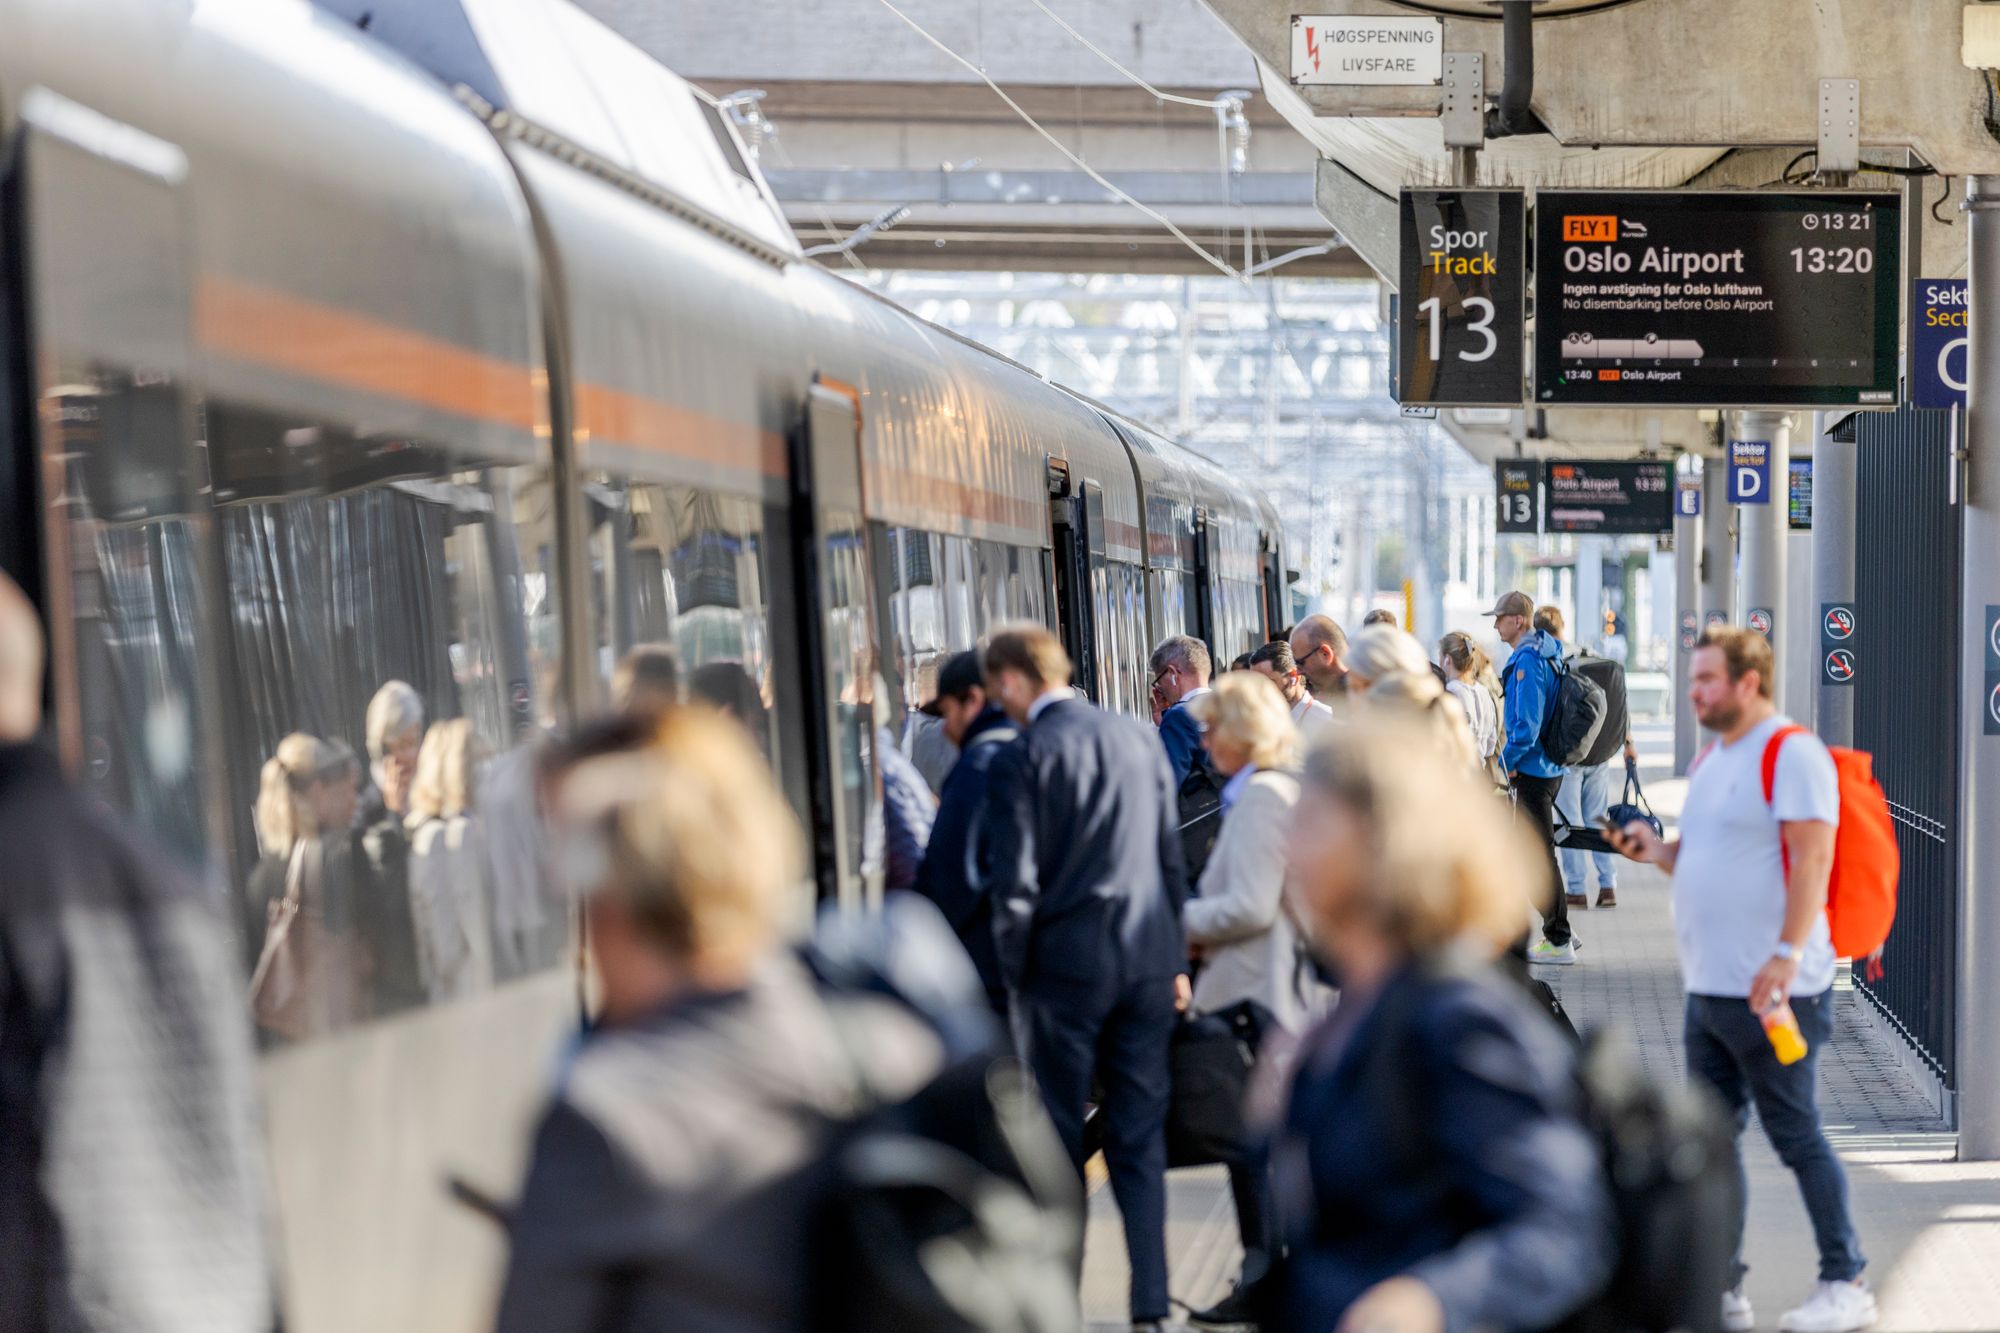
[
  {"x": 955, "y": 1209},
  {"x": 1669, "y": 1159},
  {"x": 1201, "y": 814},
  {"x": 1610, "y": 677},
  {"x": 1574, "y": 718}
]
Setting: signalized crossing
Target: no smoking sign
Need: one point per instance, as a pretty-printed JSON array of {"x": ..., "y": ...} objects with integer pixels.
[
  {"x": 1837, "y": 623},
  {"x": 1990, "y": 703}
]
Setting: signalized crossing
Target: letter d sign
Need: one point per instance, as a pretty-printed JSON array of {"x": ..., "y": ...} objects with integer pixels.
[{"x": 1749, "y": 472}]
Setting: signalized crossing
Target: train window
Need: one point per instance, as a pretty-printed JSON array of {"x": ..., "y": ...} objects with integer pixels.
[
  {"x": 122, "y": 540},
  {"x": 393, "y": 638},
  {"x": 725, "y": 138},
  {"x": 951, "y": 590},
  {"x": 686, "y": 568}
]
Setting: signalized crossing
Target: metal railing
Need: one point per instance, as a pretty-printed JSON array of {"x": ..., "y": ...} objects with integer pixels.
[{"x": 1906, "y": 709}]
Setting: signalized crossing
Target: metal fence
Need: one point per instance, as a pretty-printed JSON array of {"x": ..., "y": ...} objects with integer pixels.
[{"x": 1906, "y": 699}]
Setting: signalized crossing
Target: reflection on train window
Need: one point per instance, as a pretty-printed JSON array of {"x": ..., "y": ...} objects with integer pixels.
[
  {"x": 686, "y": 568},
  {"x": 393, "y": 632},
  {"x": 1118, "y": 595},
  {"x": 951, "y": 590},
  {"x": 127, "y": 564}
]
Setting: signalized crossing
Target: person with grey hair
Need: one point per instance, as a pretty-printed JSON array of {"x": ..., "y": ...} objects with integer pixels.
[
  {"x": 1319, "y": 646},
  {"x": 131, "y": 1171},
  {"x": 1391, "y": 673},
  {"x": 1180, "y": 667},
  {"x": 394, "y": 733}
]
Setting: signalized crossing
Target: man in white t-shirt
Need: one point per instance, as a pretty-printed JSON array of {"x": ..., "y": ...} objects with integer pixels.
[{"x": 1750, "y": 883}]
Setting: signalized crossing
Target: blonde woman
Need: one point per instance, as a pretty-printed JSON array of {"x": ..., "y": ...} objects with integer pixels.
[
  {"x": 673, "y": 1182},
  {"x": 1431, "y": 1120},
  {"x": 448, "y": 898},
  {"x": 305, "y": 977},
  {"x": 1388, "y": 667},
  {"x": 1236, "y": 922},
  {"x": 1236, "y": 917},
  {"x": 1467, "y": 669}
]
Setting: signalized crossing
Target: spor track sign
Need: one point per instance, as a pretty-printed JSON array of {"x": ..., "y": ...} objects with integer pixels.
[
  {"x": 1459, "y": 316},
  {"x": 1717, "y": 299},
  {"x": 1517, "y": 495}
]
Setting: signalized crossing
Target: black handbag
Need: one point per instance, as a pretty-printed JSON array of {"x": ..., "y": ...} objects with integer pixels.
[
  {"x": 1633, "y": 804},
  {"x": 1210, "y": 1063}
]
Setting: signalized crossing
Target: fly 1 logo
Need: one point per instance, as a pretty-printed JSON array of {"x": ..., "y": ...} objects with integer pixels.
[{"x": 1458, "y": 335}]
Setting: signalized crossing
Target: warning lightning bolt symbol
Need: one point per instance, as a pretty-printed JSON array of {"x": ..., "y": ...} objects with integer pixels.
[{"x": 1312, "y": 46}]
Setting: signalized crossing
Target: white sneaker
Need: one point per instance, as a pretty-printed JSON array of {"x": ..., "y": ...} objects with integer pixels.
[
  {"x": 1557, "y": 955},
  {"x": 1834, "y": 1307},
  {"x": 1737, "y": 1316}
]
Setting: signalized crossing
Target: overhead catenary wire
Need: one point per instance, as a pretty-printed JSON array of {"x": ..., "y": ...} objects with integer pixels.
[
  {"x": 1212, "y": 103},
  {"x": 1220, "y": 266}
]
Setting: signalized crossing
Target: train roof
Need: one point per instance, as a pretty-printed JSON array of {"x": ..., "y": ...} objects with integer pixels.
[{"x": 550, "y": 72}]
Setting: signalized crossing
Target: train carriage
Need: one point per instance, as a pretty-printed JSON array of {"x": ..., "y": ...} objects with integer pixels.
[{"x": 332, "y": 358}]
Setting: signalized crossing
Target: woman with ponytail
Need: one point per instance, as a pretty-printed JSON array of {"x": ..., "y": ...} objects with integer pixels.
[{"x": 304, "y": 976}]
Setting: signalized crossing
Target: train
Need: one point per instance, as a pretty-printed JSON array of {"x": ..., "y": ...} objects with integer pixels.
[{"x": 458, "y": 343}]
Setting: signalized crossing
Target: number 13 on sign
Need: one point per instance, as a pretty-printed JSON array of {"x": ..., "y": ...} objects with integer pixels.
[{"x": 1433, "y": 315}]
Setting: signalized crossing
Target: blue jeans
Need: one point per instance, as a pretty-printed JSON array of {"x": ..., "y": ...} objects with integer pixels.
[
  {"x": 1727, "y": 1048},
  {"x": 1586, "y": 794}
]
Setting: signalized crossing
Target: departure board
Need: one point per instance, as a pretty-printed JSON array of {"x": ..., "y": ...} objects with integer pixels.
[
  {"x": 1721, "y": 299},
  {"x": 1597, "y": 495}
]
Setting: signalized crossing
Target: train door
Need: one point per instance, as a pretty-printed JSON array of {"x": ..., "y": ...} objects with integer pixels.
[
  {"x": 105, "y": 484},
  {"x": 1204, "y": 579},
  {"x": 836, "y": 638},
  {"x": 1076, "y": 518},
  {"x": 1271, "y": 566}
]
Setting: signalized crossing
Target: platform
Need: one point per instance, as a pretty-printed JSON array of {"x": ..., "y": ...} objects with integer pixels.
[{"x": 1929, "y": 1224}]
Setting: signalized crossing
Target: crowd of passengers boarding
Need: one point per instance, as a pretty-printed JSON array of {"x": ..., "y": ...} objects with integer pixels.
[{"x": 1286, "y": 929}]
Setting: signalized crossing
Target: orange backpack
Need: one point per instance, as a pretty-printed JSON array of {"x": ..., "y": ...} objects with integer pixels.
[{"x": 1861, "y": 892}]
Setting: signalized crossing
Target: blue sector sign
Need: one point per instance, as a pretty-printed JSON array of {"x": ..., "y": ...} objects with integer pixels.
[
  {"x": 1687, "y": 501},
  {"x": 1749, "y": 472},
  {"x": 1940, "y": 338}
]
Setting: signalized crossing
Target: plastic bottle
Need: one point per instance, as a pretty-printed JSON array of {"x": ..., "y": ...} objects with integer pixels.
[{"x": 1781, "y": 1026}]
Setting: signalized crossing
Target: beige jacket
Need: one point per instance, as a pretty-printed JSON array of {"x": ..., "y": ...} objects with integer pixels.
[{"x": 1238, "y": 916}]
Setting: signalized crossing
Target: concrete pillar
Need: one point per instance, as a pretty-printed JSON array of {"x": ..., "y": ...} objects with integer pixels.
[
  {"x": 1718, "y": 546},
  {"x": 1588, "y": 630},
  {"x": 1836, "y": 467},
  {"x": 1687, "y": 615},
  {"x": 1978, "y": 1062},
  {"x": 1798, "y": 651},
  {"x": 1762, "y": 530}
]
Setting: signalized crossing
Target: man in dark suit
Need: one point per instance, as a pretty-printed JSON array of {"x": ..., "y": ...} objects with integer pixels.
[
  {"x": 1087, "y": 886},
  {"x": 955, "y": 864}
]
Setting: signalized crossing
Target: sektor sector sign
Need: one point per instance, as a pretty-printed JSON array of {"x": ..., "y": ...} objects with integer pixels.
[{"x": 1717, "y": 299}]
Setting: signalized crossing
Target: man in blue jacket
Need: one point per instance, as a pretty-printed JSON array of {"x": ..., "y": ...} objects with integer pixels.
[
  {"x": 1529, "y": 686},
  {"x": 1181, "y": 667},
  {"x": 955, "y": 866},
  {"x": 1087, "y": 887}
]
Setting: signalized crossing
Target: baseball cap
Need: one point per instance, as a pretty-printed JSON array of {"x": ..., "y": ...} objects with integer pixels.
[
  {"x": 955, "y": 679},
  {"x": 1512, "y": 604}
]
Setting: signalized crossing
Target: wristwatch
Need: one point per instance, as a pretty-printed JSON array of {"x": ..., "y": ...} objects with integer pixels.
[{"x": 1789, "y": 952}]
